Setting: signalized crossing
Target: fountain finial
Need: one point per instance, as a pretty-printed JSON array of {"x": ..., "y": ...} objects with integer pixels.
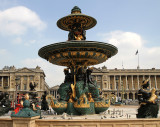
[{"x": 75, "y": 9}]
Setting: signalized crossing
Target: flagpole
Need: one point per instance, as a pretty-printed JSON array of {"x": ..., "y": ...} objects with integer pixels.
[
  {"x": 138, "y": 58},
  {"x": 138, "y": 62}
]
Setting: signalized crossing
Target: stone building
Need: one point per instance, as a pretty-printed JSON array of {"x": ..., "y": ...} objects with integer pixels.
[
  {"x": 15, "y": 81},
  {"x": 125, "y": 82},
  {"x": 54, "y": 91}
]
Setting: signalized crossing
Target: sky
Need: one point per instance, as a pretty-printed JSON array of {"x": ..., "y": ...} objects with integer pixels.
[{"x": 28, "y": 25}]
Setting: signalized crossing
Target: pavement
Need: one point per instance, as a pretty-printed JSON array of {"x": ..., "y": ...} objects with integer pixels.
[{"x": 114, "y": 112}]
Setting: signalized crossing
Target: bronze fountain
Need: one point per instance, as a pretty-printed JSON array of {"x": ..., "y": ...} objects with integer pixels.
[{"x": 79, "y": 95}]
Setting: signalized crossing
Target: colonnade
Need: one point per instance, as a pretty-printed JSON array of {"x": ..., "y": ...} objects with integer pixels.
[
  {"x": 54, "y": 93},
  {"x": 129, "y": 82},
  {"x": 126, "y": 84}
]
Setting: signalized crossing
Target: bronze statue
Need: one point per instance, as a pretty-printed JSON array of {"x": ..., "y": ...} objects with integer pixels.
[
  {"x": 77, "y": 32},
  {"x": 44, "y": 103},
  {"x": 32, "y": 86},
  {"x": 5, "y": 103},
  {"x": 148, "y": 106}
]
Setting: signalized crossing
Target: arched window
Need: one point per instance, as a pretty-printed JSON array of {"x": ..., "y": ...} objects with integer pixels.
[
  {"x": 131, "y": 96},
  {"x": 125, "y": 96},
  {"x": 136, "y": 96}
]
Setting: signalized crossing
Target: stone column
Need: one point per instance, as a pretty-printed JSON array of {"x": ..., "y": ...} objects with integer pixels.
[
  {"x": 109, "y": 83},
  {"x": 102, "y": 82},
  {"x": 28, "y": 83},
  {"x": 2, "y": 81},
  {"x": 8, "y": 80},
  {"x": 21, "y": 84},
  {"x": 155, "y": 82},
  {"x": 127, "y": 96},
  {"x": 133, "y": 95},
  {"x": 132, "y": 82},
  {"x": 55, "y": 93},
  {"x": 126, "y": 83},
  {"x": 115, "y": 82},
  {"x": 138, "y": 81},
  {"x": 150, "y": 86},
  {"x": 143, "y": 77},
  {"x": 120, "y": 82}
]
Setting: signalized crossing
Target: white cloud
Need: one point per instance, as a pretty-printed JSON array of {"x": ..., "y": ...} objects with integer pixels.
[
  {"x": 16, "y": 21},
  {"x": 3, "y": 52},
  {"x": 29, "y": 43},
  {"x": 5, "y": 57},
  {"x": 54, "y": 73},
  {"x": 17, "y": 40},
  {"x": 127, "y": 44},
  {"x": 119, "y": 38}
]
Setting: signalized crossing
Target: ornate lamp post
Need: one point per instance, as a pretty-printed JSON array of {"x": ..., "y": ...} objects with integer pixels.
[{"x": 17, "y": 84}]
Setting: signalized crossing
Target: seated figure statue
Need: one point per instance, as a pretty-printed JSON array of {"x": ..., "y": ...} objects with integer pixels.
[
  {"x": 92, "y": 86},
  {"x": 148, "y": 107},
  {"x": 85, "y": 84},
  {"x": 65, "y": 88},
  {"x": 77, "y": 32}
]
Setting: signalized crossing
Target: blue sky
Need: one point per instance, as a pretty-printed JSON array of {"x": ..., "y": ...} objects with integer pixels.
[{"x": 28, "y": 25}]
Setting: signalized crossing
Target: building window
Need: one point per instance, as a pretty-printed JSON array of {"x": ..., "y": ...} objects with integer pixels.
[
  {"x": 31, "y": 78},
  {"x": 105, "y": 78},
  {"x": 25, "y": 87},
  {"x": 18, "y": 87},
  {"x": 99, "y": 78},
  {"x": 25, "y": 78},
  {"x": 5, "y": 81}
]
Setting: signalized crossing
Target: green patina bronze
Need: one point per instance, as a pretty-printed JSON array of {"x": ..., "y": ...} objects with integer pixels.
[
  {"x": 5, "y": 103},
  {"x": 148, "y": 108},
  {"x": 26, "y": 111},
  {"x": 79, "y": 95}
]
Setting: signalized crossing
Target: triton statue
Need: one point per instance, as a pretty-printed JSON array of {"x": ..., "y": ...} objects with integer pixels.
[
  {"x": 148, "y": 106},
  {"x": 79, "y": 95}
]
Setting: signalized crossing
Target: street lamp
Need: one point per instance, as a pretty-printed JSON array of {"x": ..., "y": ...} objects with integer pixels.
[{"x": 17, "y": 81}]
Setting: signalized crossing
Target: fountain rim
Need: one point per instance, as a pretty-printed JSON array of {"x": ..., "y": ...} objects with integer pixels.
[
  {"x": 103, "y": 45},
  {"x": 75, "y": 15}
]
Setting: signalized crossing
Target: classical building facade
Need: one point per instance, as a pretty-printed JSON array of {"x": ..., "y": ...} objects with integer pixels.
[
  {"x": 15, "y": 81},
  {"x": 54, "y": 91},
  {"x": 125, "y": 83}
]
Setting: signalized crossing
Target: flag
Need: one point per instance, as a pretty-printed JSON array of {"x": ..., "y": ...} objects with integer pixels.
[{"x": 136, "y": 52}]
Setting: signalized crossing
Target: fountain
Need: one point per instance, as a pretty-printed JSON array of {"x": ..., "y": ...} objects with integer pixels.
[{"x": 79, "y": 95}]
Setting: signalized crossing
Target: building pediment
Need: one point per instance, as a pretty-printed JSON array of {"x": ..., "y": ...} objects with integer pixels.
[
  {"x": 97, "y": 70},
  {"x": 55, "y": 87},
  {"x": 24, "y": 70}
]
